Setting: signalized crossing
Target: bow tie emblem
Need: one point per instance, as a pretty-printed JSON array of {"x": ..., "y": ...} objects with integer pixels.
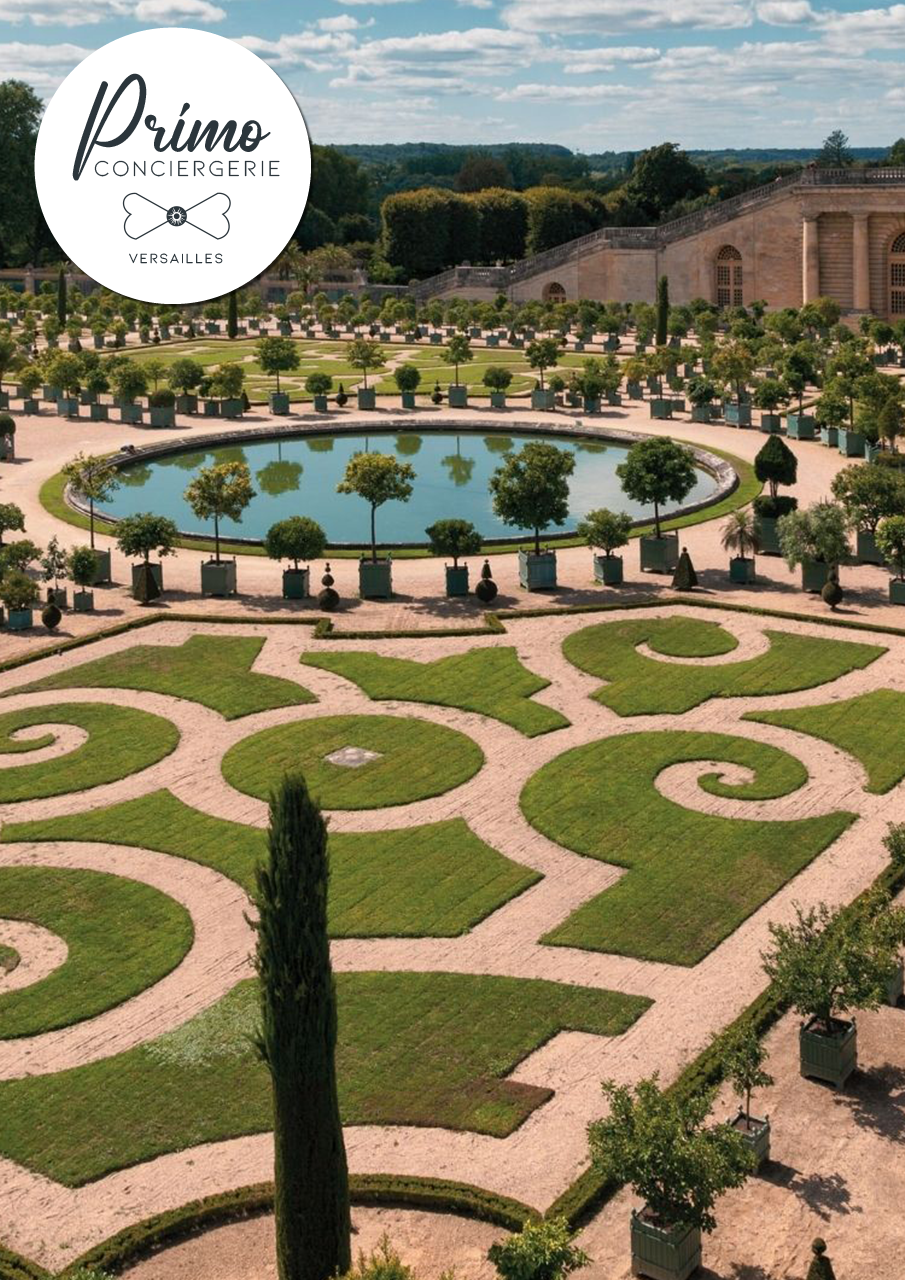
[{"x": 208, "y": 215}]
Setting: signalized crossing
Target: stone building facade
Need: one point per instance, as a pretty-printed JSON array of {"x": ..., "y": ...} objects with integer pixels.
[{"x": 820, "y": 232}]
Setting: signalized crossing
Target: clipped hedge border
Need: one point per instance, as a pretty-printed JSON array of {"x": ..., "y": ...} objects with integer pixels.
[
  {"x": 164, "y": 1229},
  {"x": 15, "y": 1267}
]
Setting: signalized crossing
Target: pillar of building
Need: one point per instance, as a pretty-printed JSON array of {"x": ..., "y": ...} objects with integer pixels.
[
  {"x": 860, "y": 262},
  {"x": 810, "y": 259}
]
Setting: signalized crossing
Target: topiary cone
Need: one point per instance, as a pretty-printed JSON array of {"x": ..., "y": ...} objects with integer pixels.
[
  {"x": 145, "y": 589},
  {"x": 50, "y": 616},
  {"x": 486, "y": 588},
  {"x": 821, "y": 1268},
  {"x": 684, "y": 578},
  {"x": 832, "y": 594},
  {"x": 328, "y": 599}
]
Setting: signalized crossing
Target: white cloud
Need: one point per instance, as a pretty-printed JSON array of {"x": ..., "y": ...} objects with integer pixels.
[
  {"x": 375, "y": 2},
  {"x": 443, "y": 61},
  {"x": 475, "y": 4},
  {"x": 64, "y": 13},
  {"x": 864, "y": 29},
  {"x": 565, "y": 92},
  {"x": 43, "y": 66},
  {"x": 785, "y": 13},
  {"x": 308, "y": 49},
  {"x": 609, "y": 17},
  {"x": 582, "y": 61},
  {"x": 342, "y": 22},
  {"x": 174, "y": 12}
]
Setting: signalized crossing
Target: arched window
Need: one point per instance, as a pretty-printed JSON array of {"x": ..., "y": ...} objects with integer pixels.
[
  {"x": 554, "y": 292},
  {"x": 897, "y": 276},
  {"x": 729, "y": 285}
]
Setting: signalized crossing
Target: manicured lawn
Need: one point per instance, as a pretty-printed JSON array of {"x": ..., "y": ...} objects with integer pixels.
[
  {"x": 213, "y": 670},
  {"x": 120, "y": 741},
  {"x": 490, "y": 681},
  {"x": 638, "y": 685},
  {"x": 414, "y": 1048},
  {"x": 436, "y": 880},
  {"x": 416, "y": 760},
  {"x": 692, "y": 877},
  {"x": 122, "y": 937},
  {"x": 870, "y": 727}
]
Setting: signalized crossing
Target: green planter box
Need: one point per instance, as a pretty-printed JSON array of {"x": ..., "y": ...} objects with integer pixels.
[
  {"x": 457, "y": 579},
  {"x": 828, "y": 1057},
  {"x": 634, "y": 390},
  {"x": 738, "y": 415},
  {"x": 664, "y": 1253},
  {"x": 187, "y": 404},
  {"x": 866, "y": 548},
  {"x": 800, "y": 426},
  {"x": 285, "y": 328},
  {"x": 493, "y": 340},
  {"x": 896, "y": 591},
  {"x": 458, "y": 397},
  {"x": 771, "y": 424},
  {"x": 19, "y": 619},
  {"x": 541, "y": 399},
  {"x": 375, "y": 579},
  {"x": 700, "y": 412},
  {"x": 614, "y": 398},
  {"x": 872, "y": 451},
  {"x": 130, "y": 413},
  {"x": 659, "y": 555},
  {"x": 102, "y": 571},
  {"x": 50, "y": 393},
  {"x": 851, "y": 443},
  {"x": 678, "y": 404},
  {"x": 98, "y": 340},
  {"x": 210, "y": 409},
  {"x": 814, "y": 574},
  {"x": 320, "y": 404},
  {"x": 211, "y": 327},
  {"x": 766, "y": 529},
  {"x": 591, "y": 404},
  {"x": 296, "y": 584},
  {"x": 408, "y": 399},
  {"x": 85, "y": 397},
  {"x": 755, "y": 1135},
  {"x": 30, "y": 406},
  {"x": 163, "y": 416},
  {"x": 58, "y": 596},
  {"x": 83, "y": 601},
  {"x": 660, "y": 408},
  {"x": 608, "y": 570},
  {"x": 99, "y": 413},
  {"x": 830, "y": 437},
  {"x": 611, "y": 343},
  {"x": 279, "y": 402},
  {"x": 498, "y": 399},
  {"x": 367, "y": 398},
  {"x": 537, "y": 572},
  {"x": 741, "y": 571},
  {"x": 156, "y": 574},
  {"x": 68, "y": 407},
  {"x": 435, "y": 339},
  {"x": 233, "y": 408},
  {"x": 218, "y": 578}
]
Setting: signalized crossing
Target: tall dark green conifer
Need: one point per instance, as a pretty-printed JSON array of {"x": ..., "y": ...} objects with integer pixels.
[
  {"x": 232, "y": 316},
  {"x": 298, "y": 1041},
  {"x": 61, "y": 298},
  {"x": 662, "y": 310}
]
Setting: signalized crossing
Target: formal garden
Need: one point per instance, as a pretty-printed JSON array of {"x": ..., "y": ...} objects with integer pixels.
[{"x": 546, "y": 845}]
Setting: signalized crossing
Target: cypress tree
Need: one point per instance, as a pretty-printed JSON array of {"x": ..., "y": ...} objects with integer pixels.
[
  {"x": 61, "y": 298},
  {"x": 298, "y": 1041},
  {"x": 232, "y": 316},
  {"x": 662, "y": 310}
]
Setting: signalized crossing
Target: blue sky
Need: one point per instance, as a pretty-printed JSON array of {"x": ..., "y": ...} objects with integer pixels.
[{"x": 592, "y": 74}]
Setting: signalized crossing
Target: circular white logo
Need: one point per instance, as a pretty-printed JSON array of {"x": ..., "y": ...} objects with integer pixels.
[{"x": 172, "y": 165}]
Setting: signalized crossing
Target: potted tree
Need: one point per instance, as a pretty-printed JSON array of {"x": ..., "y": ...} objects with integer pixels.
[
  {"x": 831, "y": 412},
  {"x": 743, "y": 1056},
  {"x": 53, "y": 567},
  {"x": 222, "y": 491},
  {"x": 543, "y": 354},
  {"x": 606, "y": 530},
  {"x": 295, "y": 539},
  {"x": 497, "y": 379},
  {"x": 95, "y": 480},
  {"x": 658, "y": 470},
  {"x": 65, "y": 373},
  {"x": 816, "y": 540},
  {"x": 454, "y": 538},
  {"x": 19, "y": 593},
  {"x": 891, "y": 545},
  {"x": 868, "y": 494},
  {"x": 769, "y": 395},
  {"x": 407, "y": 378},
  {"x": 96, "y": 384},
  {"x": 227, "y": 385},
  {"x": 277, "y": 355},
  {"x": 184, "y": 377},
  {"x": 701, "y": 391},
  {"x": 457, "y": 351},
  {"x": 531, "y": 491},
  {"x": 364, "y": 355},
  {"x": 774, "y": 465},
  {"x": 659, "y": 1142},
  {"x": 798, "y": 370},
  {"x": 81, "y": 566},
  {"x": 378, "y": 478},
  {"x": 129, "y": 381},
  {"x": 734, "y": 363},
  {"x": 824, "y": 966},
  {"x": 162, "y": 405},
  {"x": 540, "y": 1251},
  {"x": 29, "y": 379},
  {"x": 741, "y": 539},
  {"x": 12, "y": 519},
  {"x": 142, "y": 535},
  {"x": 319, "y": 385}
]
